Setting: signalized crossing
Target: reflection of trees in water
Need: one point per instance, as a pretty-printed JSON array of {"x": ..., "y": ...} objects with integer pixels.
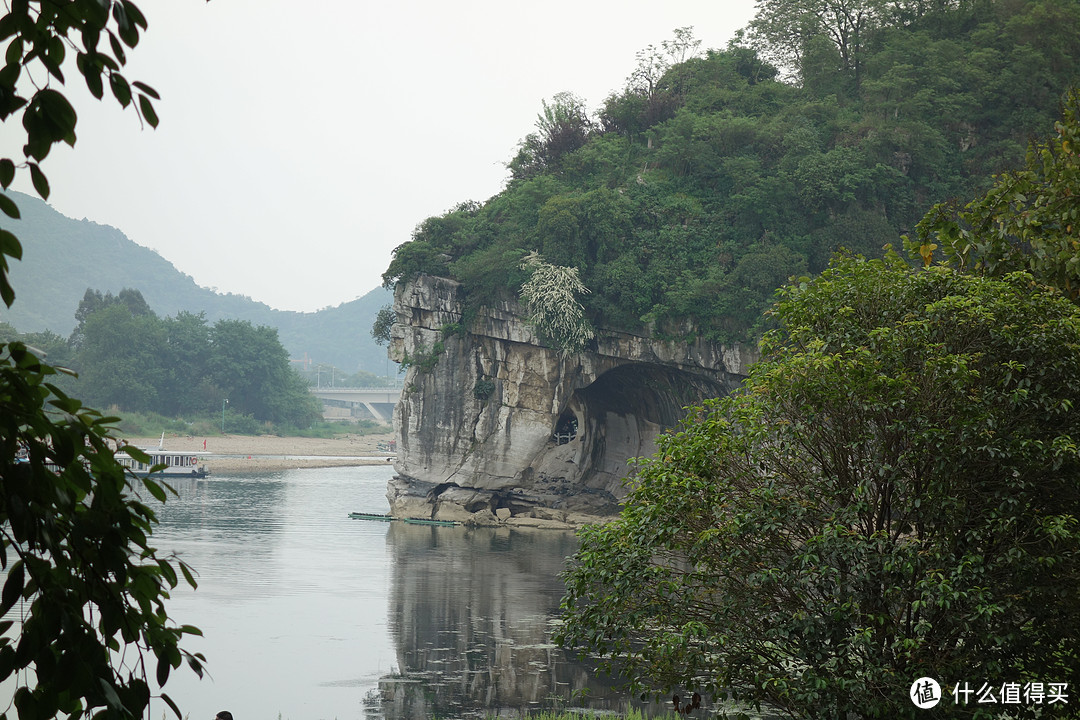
[
  {"x": 242, "y": 517},
  {"x": 471, "y": 613}
]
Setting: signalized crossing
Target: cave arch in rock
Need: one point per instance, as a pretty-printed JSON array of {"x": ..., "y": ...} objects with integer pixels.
[
  {"x": 624, "y": 411},
  {"x": 566, "y": 427}
]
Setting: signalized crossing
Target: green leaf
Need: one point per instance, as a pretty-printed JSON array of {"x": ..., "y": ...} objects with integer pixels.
[
  {"x": 10, "y": 245},
  {"x": 8, "y": 206},
  {"x": 57, "y": 54},
  {"x": 91, "y": 72},
  {"x": 13, "y": 588},
  {"x": 196, "y": 662},
  {"x": 135, "y": 452},
  {"x": 7, "y": 293},
  {"x": 9, "y": 24},
  {"x": 148, "y": 111},
  {"x": 189, "y": 577},
  {"x": 97, "y": 15},
  {"x": 163, "y": 670},
  {"x": 169, "y": 701},
  {"x": 58, "y": 114},
  {"x": 118, "y": 49},
  {"x": 167, "y": 572},
  {"x": 155, "y": 489},
  {"x": 120, "y": 89},
  {"x": 146, "y": 89},
  {"x": 129, "y": 33},
  {"x": 7, "y": 172},
  {"x": 111, "y": 696},
  {"x": 134, "y": 14},
  {"x": 41, "y": 183},
  {"x": 14, "y": 53}
]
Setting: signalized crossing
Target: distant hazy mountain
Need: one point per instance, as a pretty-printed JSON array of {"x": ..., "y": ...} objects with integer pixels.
[{"x": 63, "y": 257}]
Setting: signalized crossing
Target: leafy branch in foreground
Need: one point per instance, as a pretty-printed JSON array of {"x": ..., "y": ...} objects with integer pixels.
[
  {"x": 82, "y": 617},
  {"x": 84, "y": 589},
  {"x": 39, "y": 37}
]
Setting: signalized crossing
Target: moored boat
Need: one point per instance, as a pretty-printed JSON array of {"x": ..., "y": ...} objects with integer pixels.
[
  {"x": 176, "y": 464},
  {"x": 370, "y": 516}
]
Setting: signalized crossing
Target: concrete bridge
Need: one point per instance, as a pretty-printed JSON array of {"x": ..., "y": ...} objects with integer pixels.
[{"x": 358, "y": 402}]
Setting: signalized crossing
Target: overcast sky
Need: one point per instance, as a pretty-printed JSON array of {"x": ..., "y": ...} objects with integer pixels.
[{"x": 302, "y": 140}]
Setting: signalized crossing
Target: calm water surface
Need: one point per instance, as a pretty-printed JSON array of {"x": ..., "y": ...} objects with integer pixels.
[{"x": 309, "y": 614}]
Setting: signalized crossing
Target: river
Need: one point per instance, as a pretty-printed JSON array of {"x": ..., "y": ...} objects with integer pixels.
[{"x": 311, "y": 615}]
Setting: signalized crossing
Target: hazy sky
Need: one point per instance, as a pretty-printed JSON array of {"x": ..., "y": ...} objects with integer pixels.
[{"x": 302, "y": 140}]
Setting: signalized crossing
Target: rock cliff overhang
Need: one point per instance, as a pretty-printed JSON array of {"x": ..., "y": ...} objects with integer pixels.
[{"x": 494, "y": 427}]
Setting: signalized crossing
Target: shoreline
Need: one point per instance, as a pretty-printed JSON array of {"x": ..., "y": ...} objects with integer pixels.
[
  {"x": 258, "y": 453},
  {"x": 242, "y": 454}
]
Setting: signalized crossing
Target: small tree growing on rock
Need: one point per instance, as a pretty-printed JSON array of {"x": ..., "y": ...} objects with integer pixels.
[{"x": 550, "y": 298}]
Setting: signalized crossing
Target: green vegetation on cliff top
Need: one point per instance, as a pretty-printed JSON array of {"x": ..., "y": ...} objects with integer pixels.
[{"x": 711, "y": 178}]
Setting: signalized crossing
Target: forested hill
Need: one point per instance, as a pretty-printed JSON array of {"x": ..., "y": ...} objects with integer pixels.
[
  {"x": 63, "y": 257},
  {"x": 712, "y": 177}
]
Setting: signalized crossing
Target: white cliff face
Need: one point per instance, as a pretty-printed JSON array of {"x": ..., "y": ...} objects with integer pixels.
[{"x": 493, "y": 427}]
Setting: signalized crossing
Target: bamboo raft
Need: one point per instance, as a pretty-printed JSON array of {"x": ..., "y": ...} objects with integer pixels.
[{"x": 410, "y": 521}]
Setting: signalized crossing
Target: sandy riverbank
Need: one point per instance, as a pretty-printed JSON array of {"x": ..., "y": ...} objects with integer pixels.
[{"x": 256, "y": 453}]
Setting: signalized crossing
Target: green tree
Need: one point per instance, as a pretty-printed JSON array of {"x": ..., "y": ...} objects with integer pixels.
[
  {"x": 131, "y": 359},
  {"x": 653, "y": 63},
  {"x": 656, "y": 87},
  {"x": 411, "y": 259},
  {"x": 787, "y": 29},
  {"x": 120, "y": 361},
  {"x": 1029, "y": 220},
  {"x": 82, "y": 607},
  {"x": 562, "y": 128},
  {"x": 384, "y": 322},
  {"x": 252, "y": 368},
  {"x": 94, "y": 300},
  {"x": 892, "y": 494},
  {"x": 187, "y": 387}
]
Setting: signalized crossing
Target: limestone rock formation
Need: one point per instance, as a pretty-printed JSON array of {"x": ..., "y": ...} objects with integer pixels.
[{"x": 493, "y": 427}]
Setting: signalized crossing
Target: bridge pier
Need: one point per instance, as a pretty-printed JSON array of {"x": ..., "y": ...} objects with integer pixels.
[
  {"x": 378, "y": 402},
  {"x": 371, "y": 409}
]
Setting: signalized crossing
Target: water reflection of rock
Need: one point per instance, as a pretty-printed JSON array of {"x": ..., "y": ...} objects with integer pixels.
[{"x": 471, "y": 613}]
